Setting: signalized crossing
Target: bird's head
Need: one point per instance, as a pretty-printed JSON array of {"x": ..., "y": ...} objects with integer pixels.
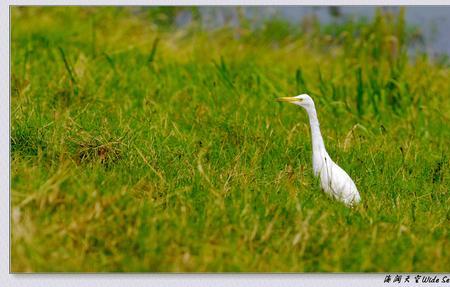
[{"x": 302, "y": 100}]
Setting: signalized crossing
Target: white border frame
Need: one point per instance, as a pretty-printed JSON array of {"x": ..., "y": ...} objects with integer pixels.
[{"x": 157, "y": 279}]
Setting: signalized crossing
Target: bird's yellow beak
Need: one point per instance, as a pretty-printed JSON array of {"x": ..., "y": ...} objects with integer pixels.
[{"x": 288, "y": 99}]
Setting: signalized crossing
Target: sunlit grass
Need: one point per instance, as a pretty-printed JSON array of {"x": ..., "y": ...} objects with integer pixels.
[{"x": 137, "y": 147}]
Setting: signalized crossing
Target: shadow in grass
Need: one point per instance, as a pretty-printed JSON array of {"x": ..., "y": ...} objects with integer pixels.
[
  {"x": 100, "y": 149},
  {"x": 27, "y": 140}
]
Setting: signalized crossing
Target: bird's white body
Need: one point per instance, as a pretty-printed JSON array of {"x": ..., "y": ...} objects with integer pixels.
[{"x": 333, "y": 179}]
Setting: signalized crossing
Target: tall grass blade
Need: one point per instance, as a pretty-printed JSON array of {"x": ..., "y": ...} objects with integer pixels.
[
  {"x": 359, "y": 92},
  {"x": 151, "y": 56},
  {"x": 67, "y": 65}
]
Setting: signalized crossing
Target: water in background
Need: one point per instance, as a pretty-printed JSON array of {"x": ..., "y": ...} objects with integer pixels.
[{"x": 432, "y": 21}]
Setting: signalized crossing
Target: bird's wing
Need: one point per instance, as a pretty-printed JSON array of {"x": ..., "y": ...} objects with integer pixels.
[
  {"x": 336, "y": 182},
  {"x": 344, "y": 185}
]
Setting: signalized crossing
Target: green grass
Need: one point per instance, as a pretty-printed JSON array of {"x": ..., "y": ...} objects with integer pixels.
[{"x": 138, "y": 146}]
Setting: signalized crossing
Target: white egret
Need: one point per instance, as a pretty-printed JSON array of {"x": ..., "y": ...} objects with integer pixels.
[{"x": 333, "y": 179}]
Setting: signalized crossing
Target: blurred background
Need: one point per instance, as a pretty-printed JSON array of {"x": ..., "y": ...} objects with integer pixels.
[{"x": 428, "y": 25}]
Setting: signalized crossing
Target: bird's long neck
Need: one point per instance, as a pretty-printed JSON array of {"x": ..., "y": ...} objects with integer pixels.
[
  {"x": 318, "y": 146},
  {"x": 317, "y": 140}
]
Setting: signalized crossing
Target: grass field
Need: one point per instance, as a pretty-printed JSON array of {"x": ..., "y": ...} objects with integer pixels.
[{"x": 137, "y": 145}]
